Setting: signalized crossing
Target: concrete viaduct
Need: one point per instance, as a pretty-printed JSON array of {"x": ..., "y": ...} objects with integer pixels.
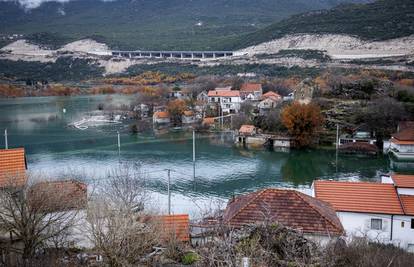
[{"x": 173, "y": 54}]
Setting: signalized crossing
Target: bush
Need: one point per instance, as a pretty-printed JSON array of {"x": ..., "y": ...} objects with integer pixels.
[{"x": 190, "y": 258}]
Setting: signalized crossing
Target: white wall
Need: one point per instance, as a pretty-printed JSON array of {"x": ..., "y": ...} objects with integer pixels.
[
  {"x": 359, "y": 224},
  {"x": 403, "y": 235},
  {"x": 385, "y": 179},
  {"x": 405, "y": 191}
]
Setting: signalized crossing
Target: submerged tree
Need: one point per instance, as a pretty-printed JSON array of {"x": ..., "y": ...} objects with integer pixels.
[
  {"x": 176, "y": 109},
  {"x": 303, "y": 122}
]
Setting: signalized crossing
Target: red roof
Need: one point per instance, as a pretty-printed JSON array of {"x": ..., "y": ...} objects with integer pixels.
[
  {"x": 178, "y": 224},
  {"x": 251, "y": 87},
  {"x": 12, "y": 167},
  {"x": 403, "y": 180},
  {"x": 222, "y": 93},
  {"x": 359, "y": 196},
  {"x": 247, "y": 129},
  {"x": 288, "y": 207},
  {"x": 162, "y": 114},
  {"x": 272, "y": 95},
  {"x": 405, "y": 124},
  {"x": 59, "y": 195},
  {"x": 406, "y": 134},
  {"x": 208, "y": 121},
  {"x": 408, "y": 204}
]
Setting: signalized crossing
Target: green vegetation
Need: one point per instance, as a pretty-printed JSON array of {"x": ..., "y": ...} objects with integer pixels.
[
  {"x": 260, "y": 69},
  {"x": 307, "y": 54},
  {"x": 383, "y": 19},
  {"x": 190, "y": 258},
  {"x": 157, "y": 24},
  {"x": 64, "y": 69},
  {"x": 48, "y": 40}
]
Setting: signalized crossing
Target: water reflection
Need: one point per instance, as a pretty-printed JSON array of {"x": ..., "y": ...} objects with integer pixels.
[{"x": 221, "y": 169}]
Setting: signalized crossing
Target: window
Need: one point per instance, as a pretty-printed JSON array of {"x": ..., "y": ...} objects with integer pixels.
[
  {"x": 412, "y": 223},
  {"x": 376, "y": 224},
  {"x": 402, "y": 224}
]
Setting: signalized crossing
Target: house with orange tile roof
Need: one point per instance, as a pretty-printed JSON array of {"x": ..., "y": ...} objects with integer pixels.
[
  {"x": 401, "y": 144},
  {"x": 228, "y": 101},
  {"x": 176, "y": 226},
  {"x": 315, "y": 218},
  {"x": 251, "y": 91},
  {"x": 188, "y": 117},
  {"x": 12, "y": 167},
  {"x": 378, "y": 211},
  {"x": 161, "y": 117}
]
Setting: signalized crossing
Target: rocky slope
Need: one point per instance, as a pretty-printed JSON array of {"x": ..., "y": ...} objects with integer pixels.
[{"x": 336, "y": 46}]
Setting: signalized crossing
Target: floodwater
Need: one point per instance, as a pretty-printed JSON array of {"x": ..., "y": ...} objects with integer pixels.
[{"x": 222, "y": 170}]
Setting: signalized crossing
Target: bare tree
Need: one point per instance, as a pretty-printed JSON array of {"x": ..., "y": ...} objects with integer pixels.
[
  {"x": 36, "y": 216},
  {"x": 119, "y": 227}
]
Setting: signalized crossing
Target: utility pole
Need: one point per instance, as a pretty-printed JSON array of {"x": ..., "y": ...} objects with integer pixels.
[
  {"x": 194, "y": 155},
  {"x": 119, "y": 146},
  {"x": 169, "y": 192},
  {"x": 6, "y": 143},
  {"x": 337, "y": 136}
]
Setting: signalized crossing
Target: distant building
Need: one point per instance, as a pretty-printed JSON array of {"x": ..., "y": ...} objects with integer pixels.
[
  {"x": 228, "y": 100},
  {"x": 203, "y": 96},
  {"x": 247, "y": 130},
  {"x": 188, "y": 117},
  {"x": 12, "y": 167},
  {"x": 161, "y": 117},
  {"x": 401, "y": 144},
  {"x": 251, "y": 91},
  {"x": 176, "y": 226},
  {"x": 379, "y": 211},
  {"x": 269, "y": 101},
  {"x": 305, "y": 91},
  {"x": 315, "y": 218}
]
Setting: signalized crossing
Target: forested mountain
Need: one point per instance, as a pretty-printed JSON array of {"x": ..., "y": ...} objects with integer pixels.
[
  {"x": 380, "y": 20},
  {"x": 152, "y": 24}
]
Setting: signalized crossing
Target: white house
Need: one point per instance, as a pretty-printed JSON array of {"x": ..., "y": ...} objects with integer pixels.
[
  {"x": 203, "y": 96},
  {"x": 228, "y": 100},
  {"x": 401, "y": 144},
  {"x": 251, "y": 91},
  {"x": 374, "y": 210},
  {"x": 188, "y": 117},
  {"x": 161, "y": 117}
]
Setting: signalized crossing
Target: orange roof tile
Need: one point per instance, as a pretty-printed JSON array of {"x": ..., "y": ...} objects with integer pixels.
[
  {"x": 12, "y": 167},
  {"x": 59, "y": 195},
  {"x": 251, "y": 87},
  {"x": 288, "y": 207},
  {"x": 247, "y": 129},
  {"x": 399, "y": 142},
  {"x": 272, "y": 95},
  {"x": 208, "y": 121},
  {"x": 359, "y": 196},
  {"x": 408, "y": 204},
  {"x": 178, "y": 224},
  {"x": 406, "y": 134},
  {"x": 222, "y": 93},
  {"x": 162, "y": 114},
  {"x": 403, "y": 180}
]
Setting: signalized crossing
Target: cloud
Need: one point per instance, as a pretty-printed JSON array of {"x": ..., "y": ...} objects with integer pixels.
[{"x": 30, "y": 4}]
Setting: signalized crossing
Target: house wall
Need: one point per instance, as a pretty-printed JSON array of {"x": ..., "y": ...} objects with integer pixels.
[
  {"x": 161, "y": 120},
  {"x": 385, "y": 179},
  {"x": 403, "y": 234},
  {"x": 321, "y": 240},
  {"x": 281, "y": 143},
  {"x": 359, "y": 225},
  {"x": 405, "y": 191}
]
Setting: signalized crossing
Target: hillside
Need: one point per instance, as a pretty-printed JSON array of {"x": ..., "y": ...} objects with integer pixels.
[
  {"x": 381, "y": 20},
  {"x": 156, "y": 24}
]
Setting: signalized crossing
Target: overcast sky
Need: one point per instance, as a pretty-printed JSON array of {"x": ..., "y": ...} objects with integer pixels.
[{"x": 36, "y": 3}]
